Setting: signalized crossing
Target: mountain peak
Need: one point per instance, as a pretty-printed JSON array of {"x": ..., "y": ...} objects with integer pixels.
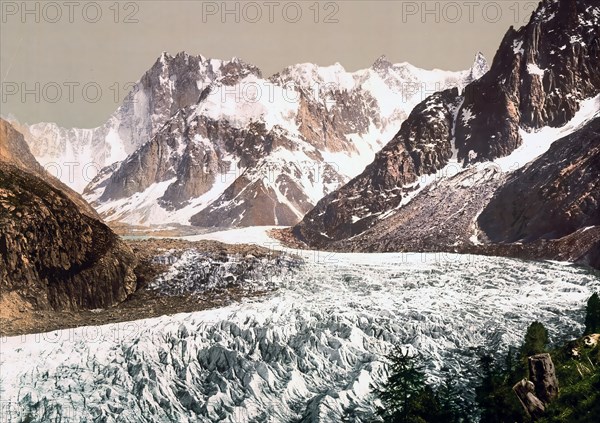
[
  {"x": 480, "y": 66},
  {"x": 164, "y": 56},
  {"x": 382, "y": 63}
]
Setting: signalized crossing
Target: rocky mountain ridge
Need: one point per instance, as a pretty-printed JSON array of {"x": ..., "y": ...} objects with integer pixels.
[
  {"x": 173, "y": 82},
  {"x": 460, "y": 153},
  {"x": 264, "y": 151}
]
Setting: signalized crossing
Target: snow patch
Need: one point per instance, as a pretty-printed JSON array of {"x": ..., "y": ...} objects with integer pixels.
[{"x": 538, "y": 142}]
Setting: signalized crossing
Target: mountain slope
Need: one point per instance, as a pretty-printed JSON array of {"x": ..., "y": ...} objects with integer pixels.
[
  {"x": 14, "y": 150},
  {"x": 423, "y": 145},
  {"x": 548, "y": 209},
  {"x": 496, "y": 118},
  {"x": 539, "y": 76},
  {"x": 260, "y": 151},
  {"x": 53, "y": 254},
  {"x": 561, "y": 190}
]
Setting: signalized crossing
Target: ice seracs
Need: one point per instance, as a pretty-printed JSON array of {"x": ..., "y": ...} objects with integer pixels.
[{"x": 310, "y": 350}]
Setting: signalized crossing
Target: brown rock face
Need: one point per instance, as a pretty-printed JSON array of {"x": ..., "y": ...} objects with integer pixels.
[
  {"x": 525, "y": 391},
  {"x": 539, "y": 75},
  {"x": 550, "y": 207},
  {"x": 542, "y": 387},
  {"x": 13, "y": 148},
  {"x": 439, "y": 218},
  {"x": 423, "y": 146},
  {"x": 543, "y": 375},
  {"x": 54, "y": 256},
  {"x": 327, "y": 128},
  {"x": 54, "y": 253},
  {"x": 555, "y": 196}
]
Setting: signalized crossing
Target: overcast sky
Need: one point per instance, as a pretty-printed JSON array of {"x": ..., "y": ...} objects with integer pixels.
[{"x": 52, "y": 46}]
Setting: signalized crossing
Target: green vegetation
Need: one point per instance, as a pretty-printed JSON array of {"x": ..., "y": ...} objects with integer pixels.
[
  {"x": 406, "y": 397},
  {"x": 495, "y": 398},
  {"x": 403, "y": 393},
  {"x": 592, "y": 317},
  {"x": 579, "y": 375},
  {"x": 536, "y": 340}
]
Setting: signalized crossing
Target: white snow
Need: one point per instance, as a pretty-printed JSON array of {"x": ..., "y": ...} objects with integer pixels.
[
  {"x": 253, "y": 99},
  {"x": 140, "y": 207},
  {"x": 467, "y": 115},
  {"x": 252, "y": 235},
  {"x": 534, "y": 69},
  {"x": 143, "y": 208},
  {"x": 518, "y": 47}
]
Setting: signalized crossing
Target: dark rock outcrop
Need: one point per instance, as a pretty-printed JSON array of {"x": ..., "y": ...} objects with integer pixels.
[
  {"x": 525, "y": 391},
  {"x": 555, "y": 196},
  {"x": 543, "y": 375},
  {"x": 538, "y": 77},
  {"x": 52, "y": 254},
  {"x": 542, "y": 387}
]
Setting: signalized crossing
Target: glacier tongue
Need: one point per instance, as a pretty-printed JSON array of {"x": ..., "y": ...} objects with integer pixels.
[{"x": 308, "y": 351}]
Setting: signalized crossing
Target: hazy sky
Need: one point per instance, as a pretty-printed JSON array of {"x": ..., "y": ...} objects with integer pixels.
[{"x": 51, "y": 51}]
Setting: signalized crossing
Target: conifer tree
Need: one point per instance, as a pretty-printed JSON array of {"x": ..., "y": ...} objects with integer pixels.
[
  {"x": 402, "y": 395},
  {"x": 536, "y": 340},
  {"x": 592, "y": 316}
]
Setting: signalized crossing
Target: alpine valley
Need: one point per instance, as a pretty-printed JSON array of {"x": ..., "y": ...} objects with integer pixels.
[{"x": 232, "y": 247}]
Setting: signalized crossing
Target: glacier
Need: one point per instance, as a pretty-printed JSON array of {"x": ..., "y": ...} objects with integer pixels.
[{"x": 307, "y": 351}]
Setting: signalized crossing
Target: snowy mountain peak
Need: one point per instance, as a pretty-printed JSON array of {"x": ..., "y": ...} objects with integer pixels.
[
  {"x": 382, "y": 63},
  {"x": 265, "y": 157},
  {"x": 480, "y": 66},
  {"x": 213, "y": 139}
]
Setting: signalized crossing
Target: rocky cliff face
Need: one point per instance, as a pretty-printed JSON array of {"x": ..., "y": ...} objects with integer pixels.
[
  {"x": 556, "y": 195},
  {"x": 53, "y": 255},
  {"x": 439, "y": 218},
  {"x": 471, "y": 154},
  {"x": 256, "y": 151},
  {"x": 554, "y": 198},
  {"x": 538, "y": 77},
  {"x": 547, "y": 210},
  {"x": 423, "y": 145}
]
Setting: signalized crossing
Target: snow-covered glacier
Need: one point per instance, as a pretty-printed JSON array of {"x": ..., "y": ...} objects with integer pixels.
[{"x": 306, "y": 352}]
